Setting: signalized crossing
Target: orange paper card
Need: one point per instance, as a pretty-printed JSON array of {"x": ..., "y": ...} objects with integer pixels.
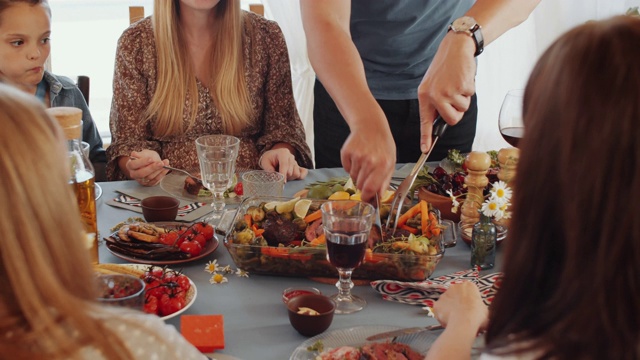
[{"x": 205, "y": 332}]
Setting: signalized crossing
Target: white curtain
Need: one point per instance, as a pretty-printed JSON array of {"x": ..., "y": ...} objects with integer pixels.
[{"x": 505, "y": 64}]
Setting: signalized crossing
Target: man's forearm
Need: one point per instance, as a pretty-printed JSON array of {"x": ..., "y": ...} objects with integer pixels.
[{"x": 498, "y": 16}]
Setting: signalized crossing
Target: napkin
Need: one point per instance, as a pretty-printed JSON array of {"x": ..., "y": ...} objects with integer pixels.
[
  {"x": 426, "y": 293},
  {"x": 130, "y": 200}
]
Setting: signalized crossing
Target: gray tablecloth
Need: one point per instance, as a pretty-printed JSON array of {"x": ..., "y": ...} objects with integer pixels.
[{"x": 256, "y": 324}]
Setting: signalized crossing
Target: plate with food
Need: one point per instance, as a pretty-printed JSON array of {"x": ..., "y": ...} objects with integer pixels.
[
  {"x": 284, "y": 236},
  {"x": 351, "y": 343},
  {"x": 161, "y": 243},
  {"x": 159, "y": 281},
  {"x": 190, "y": 189}
]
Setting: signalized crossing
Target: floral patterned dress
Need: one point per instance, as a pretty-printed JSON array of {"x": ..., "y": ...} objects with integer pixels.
[{"x": 269, "y": 83}]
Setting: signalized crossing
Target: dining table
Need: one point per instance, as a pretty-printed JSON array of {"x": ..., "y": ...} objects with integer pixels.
[{"x": 256, "y": 323}]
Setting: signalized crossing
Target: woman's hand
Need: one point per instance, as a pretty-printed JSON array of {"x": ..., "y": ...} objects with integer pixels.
[
  {"x": 462, "y": 304},
  {"x": 147, "y": 168},
  {"x": 281, "y": 159}
]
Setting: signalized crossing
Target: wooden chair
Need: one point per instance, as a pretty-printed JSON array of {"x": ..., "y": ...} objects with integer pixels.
[
  {"x": 84, "y": 84},
  {"x": 136, "y": 13},
  {"x": 257, "y": 8}
]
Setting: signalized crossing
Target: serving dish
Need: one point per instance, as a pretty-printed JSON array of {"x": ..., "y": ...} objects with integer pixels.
[
  {"x": 209, "y": 248},
  {"x": 306, "y": 259},
  {"x": 139, "y": 270}
]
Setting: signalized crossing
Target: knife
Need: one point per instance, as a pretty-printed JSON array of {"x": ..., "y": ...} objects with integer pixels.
[{"x": 401, "y": 332}]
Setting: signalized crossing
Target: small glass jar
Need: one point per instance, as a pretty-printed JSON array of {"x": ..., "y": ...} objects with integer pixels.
[{"x": 483, "y": 243}]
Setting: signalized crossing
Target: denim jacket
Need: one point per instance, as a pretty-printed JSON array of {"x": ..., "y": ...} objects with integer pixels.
[{"x": 64, "y": 92}]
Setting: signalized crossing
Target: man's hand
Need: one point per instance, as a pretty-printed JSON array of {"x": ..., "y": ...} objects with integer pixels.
[
  {"x": 369, "y": 156},
  {"x": 448, "y": 85}
]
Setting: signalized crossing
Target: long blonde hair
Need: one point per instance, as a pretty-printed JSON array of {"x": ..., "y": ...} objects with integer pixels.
[
  {"x": 176, "y": 86},
  {"x": 46, "y": 296}
]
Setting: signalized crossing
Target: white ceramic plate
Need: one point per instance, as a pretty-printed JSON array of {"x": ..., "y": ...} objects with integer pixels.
[
  {"x": 356, "y": 336},
  {"x": 190, "y": 298},
  {"x": 173, "y": 183}
]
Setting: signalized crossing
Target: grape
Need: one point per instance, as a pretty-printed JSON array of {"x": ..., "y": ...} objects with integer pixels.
[{"x": 439, "y": 172}]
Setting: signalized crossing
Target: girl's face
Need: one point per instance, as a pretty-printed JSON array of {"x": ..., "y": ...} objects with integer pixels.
[{"x": 24, "y": 43}]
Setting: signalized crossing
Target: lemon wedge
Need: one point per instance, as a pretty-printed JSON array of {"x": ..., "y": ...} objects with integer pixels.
[
  {"x": 339, "y": 195},
  {"x": 349, "y": 186},
  {"x": 387, "y": 196},
  {"x": 301, "y": 208},
  {"x": 356, "y": 196},
  {"x": 287, "y": 206},
  {"x": 271, "y": 205}
]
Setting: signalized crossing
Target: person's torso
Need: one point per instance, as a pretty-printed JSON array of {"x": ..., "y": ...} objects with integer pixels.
[{"x": 397, "y": 39}]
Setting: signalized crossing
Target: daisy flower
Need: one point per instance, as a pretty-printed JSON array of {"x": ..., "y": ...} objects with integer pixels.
[
  {"x": 227, "y": 269},
  {"x": 491, "y": 208},
  {"x": 212, "y": 266},
  {"x": 454, "y": 202},
  {"x": 242, "y": 273},
  {"x": 501, "y": 191},
  {"x": 218, "y": 279}
]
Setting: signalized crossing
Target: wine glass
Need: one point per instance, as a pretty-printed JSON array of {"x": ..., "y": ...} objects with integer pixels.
[
  {"x": 510, "y": 123},
  {"x": 346, "y": 225},
  {"x": 217, "y": 155}
]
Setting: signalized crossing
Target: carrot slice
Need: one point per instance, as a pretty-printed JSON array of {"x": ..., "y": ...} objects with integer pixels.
[
  {"x": 424, "y": 217},
  {"x": 320, "y": 240},
  {"x": 313, "y": 216},
  {"x": 409, "y": 214},
  {"x": 256, "y": 230},
  {"x": 410, "y": 229},
  {"x": 247, "y": 219}
]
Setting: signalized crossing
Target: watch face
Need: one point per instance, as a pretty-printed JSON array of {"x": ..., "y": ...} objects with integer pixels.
[{"x": 464, "y": 23}]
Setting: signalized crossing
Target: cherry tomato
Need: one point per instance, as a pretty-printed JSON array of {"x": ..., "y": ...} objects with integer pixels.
[
  {"x": 207, "y": 231},
  {"x": 183, "y": 282},
  {"x": 197, "y": 227},
  {"x": 169, "y": 305},
  {"x": 151, "y": 305},
  {"x": 200, "y": 239},
  {"x": 238, "y": 189},
  {"x": 192, "y": 248},
  {"x": 169, "y": 238}
]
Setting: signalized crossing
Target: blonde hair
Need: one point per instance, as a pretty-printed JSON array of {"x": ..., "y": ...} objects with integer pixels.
[
  {"x": 47, "y": 297},
  {"x": 176, "y": 86}
]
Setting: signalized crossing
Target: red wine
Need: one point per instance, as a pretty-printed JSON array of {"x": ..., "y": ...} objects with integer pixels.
[
  {"x": 512, "y": 135},
  {"x": 346, "y": 250}
]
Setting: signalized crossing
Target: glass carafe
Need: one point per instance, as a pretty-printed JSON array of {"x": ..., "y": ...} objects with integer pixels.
[{"x": 82, "y": 174}]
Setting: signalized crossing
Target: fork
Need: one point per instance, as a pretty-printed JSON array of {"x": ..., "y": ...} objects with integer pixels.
[
  {"x": 439, "y": 126},
  {"x": 175, "y": 169}
]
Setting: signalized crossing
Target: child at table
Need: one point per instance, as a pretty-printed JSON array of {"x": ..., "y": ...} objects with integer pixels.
[
  {"x": 25, "y": 27},
  {"x": 571, "y": 286},
  {"x": 47, "y": 297}
]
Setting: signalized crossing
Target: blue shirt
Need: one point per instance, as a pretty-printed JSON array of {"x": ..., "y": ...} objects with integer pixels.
[
  {"x": 397, "y": 40},
  {"x": 64, "y": 92}
]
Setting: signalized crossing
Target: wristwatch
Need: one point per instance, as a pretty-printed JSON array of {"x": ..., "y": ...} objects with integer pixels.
[{"x": 468, "y": 25}]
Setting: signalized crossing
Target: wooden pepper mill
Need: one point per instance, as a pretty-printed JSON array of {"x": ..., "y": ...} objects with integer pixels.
[
  {"x": 478, "y": 164},
  {"x": 508, "y": 159}
]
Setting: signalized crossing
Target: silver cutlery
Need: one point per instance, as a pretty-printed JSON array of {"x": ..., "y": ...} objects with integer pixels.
[
  {"x": 401, "y": 332},
  {"x": 197, "y": 178},
  {"x": 439, "y": 126}
]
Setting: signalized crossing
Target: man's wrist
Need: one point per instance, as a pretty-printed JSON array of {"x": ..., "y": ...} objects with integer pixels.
[{"x": 468, "y": 26}]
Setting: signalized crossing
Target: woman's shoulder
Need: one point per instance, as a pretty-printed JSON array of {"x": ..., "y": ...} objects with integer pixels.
[
  {"x": 262, "y": 27},
  {"x": 138, "y": 31}
]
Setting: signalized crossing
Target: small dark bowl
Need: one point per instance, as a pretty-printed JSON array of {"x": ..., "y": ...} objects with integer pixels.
[
  {"x": 311, "y": 325},
  {"x": 121, "y": 290},
  {"x": 160, "y": 208}
]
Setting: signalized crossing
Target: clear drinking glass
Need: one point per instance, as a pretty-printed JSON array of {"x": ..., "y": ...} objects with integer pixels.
[
  {"x": 262, "y": 183},
  {"x": 217, "y": 155},
  {"x": 510, "y": 118},
  {"x": 346, "y": 225}
]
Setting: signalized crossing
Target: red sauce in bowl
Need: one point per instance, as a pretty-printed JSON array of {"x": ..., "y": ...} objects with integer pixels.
[{"x": 290, "y": 293}]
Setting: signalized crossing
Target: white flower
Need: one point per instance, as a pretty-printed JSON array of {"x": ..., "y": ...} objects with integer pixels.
[
  {"x": 491, "y": 208},
  {"x": 454, "y": 202},
  {"x": 242, "y": 273},
  {"x": 429, "y": 311},
  {"x": 218, "y": 279},
  {"x": 212, "y": 266},
  {"x": 227, "y": 269},
  {"x": 501, "y": 191}
]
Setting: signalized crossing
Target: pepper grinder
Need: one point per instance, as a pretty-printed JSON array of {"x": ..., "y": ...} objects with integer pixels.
[{"x": 478, "y": 164}]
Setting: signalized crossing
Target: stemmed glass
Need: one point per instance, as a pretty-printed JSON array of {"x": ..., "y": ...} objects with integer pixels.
[
  {"x": 217, "y": 155},
  {"x": 510, "y": 123},
  {"x": 346, "y": 226}
]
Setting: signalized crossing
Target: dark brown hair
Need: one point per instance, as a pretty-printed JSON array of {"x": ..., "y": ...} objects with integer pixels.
[
  {"x": 5, "y": 4},
  {"x": 571, "y": 287}
]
